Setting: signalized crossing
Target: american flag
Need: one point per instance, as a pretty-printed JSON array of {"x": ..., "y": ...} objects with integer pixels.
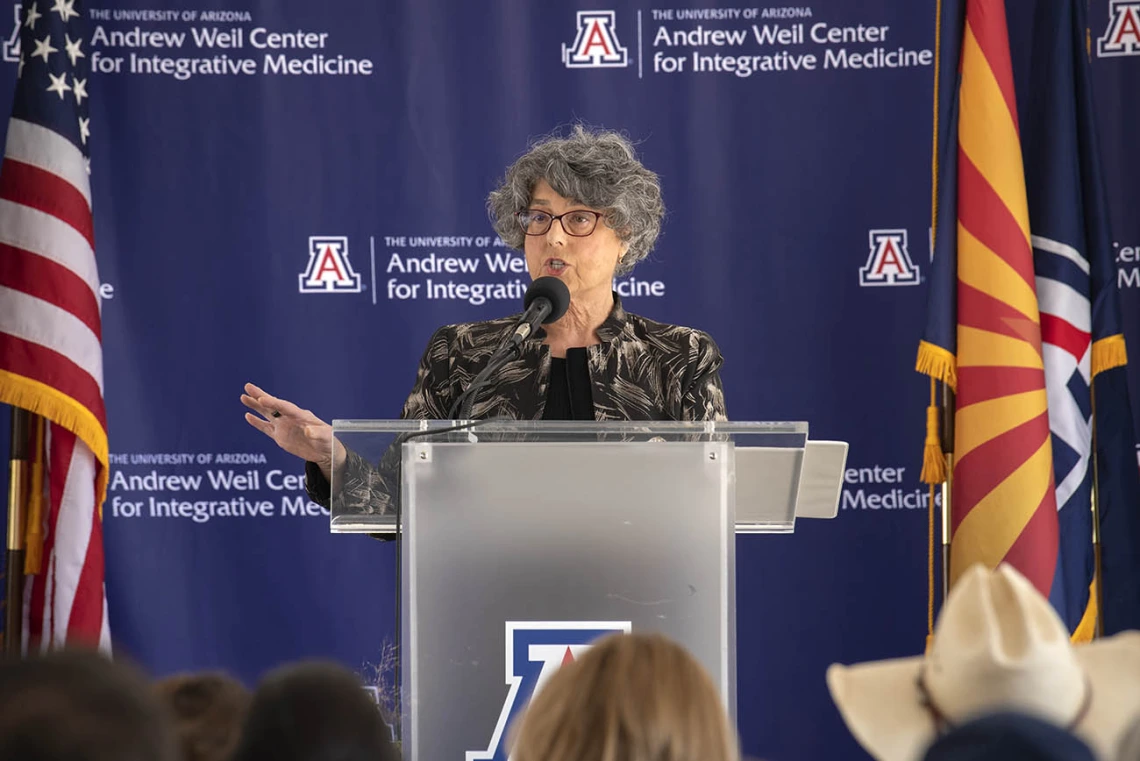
[{"x": 51, "y": 354}]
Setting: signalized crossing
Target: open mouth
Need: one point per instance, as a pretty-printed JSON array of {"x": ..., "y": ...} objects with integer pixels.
[{"x": 555, "y": 265}]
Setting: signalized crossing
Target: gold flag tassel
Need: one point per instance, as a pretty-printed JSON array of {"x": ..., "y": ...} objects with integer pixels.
[
  {"x": 933, "y": 463},
  {"x": 34, "y": 531}
]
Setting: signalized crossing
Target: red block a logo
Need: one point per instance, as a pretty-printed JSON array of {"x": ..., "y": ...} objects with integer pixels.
[
  {"x": 889, "y": 261},
  {"x": 1123, "y": 34},
  {"x": 596, "y": 45},
  {"x": 329, "y": 270}
]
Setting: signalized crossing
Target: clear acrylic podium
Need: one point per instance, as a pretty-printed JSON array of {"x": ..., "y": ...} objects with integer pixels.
[{"x": 523, "y": 541}]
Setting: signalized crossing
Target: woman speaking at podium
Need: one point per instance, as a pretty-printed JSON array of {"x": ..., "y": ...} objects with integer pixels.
[{"x": 584, "y": 210}]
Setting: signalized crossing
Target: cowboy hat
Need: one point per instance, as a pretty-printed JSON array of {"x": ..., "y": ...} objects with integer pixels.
[{"x": 998, "y": 646}]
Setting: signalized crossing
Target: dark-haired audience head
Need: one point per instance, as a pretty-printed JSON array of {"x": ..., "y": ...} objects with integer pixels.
[
  {"x": 314, "y": 711},
  {"x": 207, "y": 711},
  {"x": 630, "y": 697},
  {"x": 1009, "y": 737},
  {"x": 80, "y": 706}
]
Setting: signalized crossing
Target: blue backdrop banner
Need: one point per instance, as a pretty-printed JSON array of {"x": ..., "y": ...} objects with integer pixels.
[{"x": 293, "y": 194}]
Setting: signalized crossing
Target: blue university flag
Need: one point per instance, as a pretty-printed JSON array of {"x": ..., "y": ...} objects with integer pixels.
[{"x": 1076, "y": 283}]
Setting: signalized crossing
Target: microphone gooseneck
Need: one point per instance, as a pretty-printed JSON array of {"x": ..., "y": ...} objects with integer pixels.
[{"x": 546, "y": 300}]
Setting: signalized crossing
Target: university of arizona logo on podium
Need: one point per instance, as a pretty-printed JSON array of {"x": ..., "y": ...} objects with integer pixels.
[
  {"x": 328, "y": 270},
  {"x": 596, "y": 44},
  {"x": 889, "y": 261},
  {"x": 535, "y": 650},
  {"x": 1123, "y": 34}
]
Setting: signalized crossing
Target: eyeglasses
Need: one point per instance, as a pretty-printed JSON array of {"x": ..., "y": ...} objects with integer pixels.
[{"x": 576, "y": 222}]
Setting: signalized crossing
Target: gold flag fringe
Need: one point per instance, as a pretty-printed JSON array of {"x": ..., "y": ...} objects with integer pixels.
[
  {"x": 1108, "y": 353},
  {"x": 60, "y": 409},
  {"x": 938, "y": 363}
]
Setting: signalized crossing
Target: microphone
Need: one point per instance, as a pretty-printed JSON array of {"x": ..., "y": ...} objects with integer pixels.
[{"x": 546, "y": 300}]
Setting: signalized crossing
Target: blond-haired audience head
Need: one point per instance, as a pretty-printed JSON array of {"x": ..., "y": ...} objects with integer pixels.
[{"x": 630, "y": 697}]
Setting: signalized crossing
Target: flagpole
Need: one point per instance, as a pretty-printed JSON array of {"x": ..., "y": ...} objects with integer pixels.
[
  {"x": 947, "y": 485},
  {"x": 17, "y": 502},
  {"x": 1098, "y": 579}
]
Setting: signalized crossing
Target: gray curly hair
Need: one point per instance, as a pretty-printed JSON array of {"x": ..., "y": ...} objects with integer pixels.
[{"x": 596, "y": 168}]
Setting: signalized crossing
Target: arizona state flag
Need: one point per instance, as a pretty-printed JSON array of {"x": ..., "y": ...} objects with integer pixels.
[{"x": 1024, "y": 321}]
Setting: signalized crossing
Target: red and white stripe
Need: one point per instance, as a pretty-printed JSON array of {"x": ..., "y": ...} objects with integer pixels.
[
  {"x": 51, "y": 344},
  {"x": 67, "y": 601}
]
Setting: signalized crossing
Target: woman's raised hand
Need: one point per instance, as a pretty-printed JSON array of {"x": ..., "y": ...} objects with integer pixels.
[{"x": 299, "y": 432}]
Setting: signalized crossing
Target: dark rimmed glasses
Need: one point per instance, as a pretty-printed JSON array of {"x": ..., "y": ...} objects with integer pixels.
[{"x": 576, "y": 222}]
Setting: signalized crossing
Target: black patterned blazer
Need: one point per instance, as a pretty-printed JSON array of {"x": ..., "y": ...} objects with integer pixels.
[{"x": 641, "y": 370}]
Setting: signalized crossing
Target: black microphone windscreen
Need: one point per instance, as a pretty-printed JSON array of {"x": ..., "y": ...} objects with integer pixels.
[{"x": 552, "y": 289}]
